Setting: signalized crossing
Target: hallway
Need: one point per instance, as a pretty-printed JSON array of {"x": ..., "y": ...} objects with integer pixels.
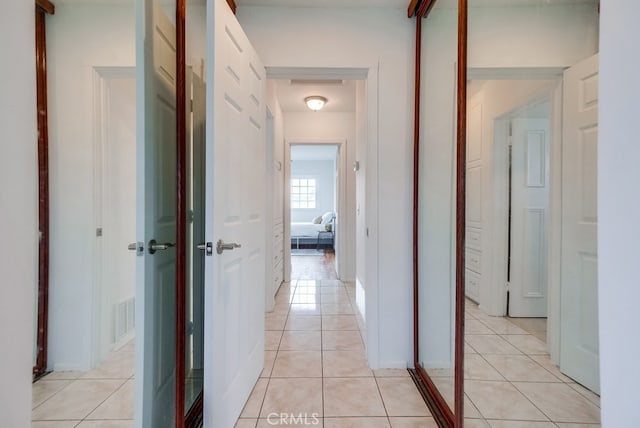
[{"x": 315, "y": 363}]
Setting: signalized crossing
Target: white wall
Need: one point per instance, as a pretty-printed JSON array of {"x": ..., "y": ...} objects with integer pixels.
[
  {"x": 80, "y": 37},
  {"x": 554, "y": 36},
  {"x": 533, "y": 36},
  {"x": 18, "y": 208},
  {"x": 309, "y": 127},
  {"x": 618, "y": 213},
  {"x": 361, "y": 188},
  {"x": 363, "y": 37},
  {"x": 323, "y": 171},
  {"x": 275, "y": 195},
  {"x": 278, "y": 151}
]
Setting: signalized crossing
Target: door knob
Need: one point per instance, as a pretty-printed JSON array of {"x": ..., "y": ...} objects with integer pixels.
[
  {"x": 155, "y": 246},
  {"x": 138, "y": 247},
  {"x": 207, "y": 247},
  {"x": 221, "y": 246}
]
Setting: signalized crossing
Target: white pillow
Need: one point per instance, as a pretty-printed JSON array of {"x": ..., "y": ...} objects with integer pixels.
[
  {"x": 327, "y": 217},
  {"x": 316, "y": 220}
]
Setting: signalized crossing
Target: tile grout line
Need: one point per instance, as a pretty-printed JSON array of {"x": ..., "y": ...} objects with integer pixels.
[
  {"x": 103, "y": 401},
  {"x": 54, "y": 394},
  {"x": 515, "y": 386}
]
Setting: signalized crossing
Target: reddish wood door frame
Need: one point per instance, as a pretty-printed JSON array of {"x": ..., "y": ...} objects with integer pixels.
[
  {"x": 181, "y": 215},
  {"x": 445, "y": 416},
  {"x": 42, "y": 8}
]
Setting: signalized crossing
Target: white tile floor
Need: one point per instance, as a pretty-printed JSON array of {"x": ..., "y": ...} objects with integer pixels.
[
  {"x": 510, "y": 381},
  {"x": 100, "y": 398},
  {"x": 315, "y": 366}
]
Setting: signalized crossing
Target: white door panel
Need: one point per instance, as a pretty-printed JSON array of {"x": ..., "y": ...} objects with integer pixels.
[
  {"x": 529, "y": 212},
  {"x": 236, "y": 184},
  {"x": 579, "y": 348}
]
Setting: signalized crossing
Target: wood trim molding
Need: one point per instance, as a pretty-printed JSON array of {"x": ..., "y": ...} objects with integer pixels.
[
  {"x": 413, "y": 7},
  {"x": 181, "y": 210},
  {"x": 435, "y": 401},
  {"x": 46, "y": 6},
  {"x": 194, "y": 415},
  {"x": 445, "y": 416},
  {"x": 461, "y": 189},
  {"x": 416, "y": 192},
  {"x": 425, "y": 8},
  {"x": 232, "y": 5},
  {"x": 420, "y": 8},
  {"x": 43, "y": 7}
]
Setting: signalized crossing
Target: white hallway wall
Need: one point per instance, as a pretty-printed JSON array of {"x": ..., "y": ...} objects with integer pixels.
[
  {"x": 323, "y": 171},
  {"x": 618, "y": 213},
  {"x": 361, "y": 212},
  {"x": 80, "y": 37},
  {"x": 362, "y": 37},
  {"x": 330, "y": 127},
  {"x": 278, "y": 151},
  {"x": 18, "y": 209}
]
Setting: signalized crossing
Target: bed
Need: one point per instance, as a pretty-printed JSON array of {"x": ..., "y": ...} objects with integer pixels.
[{"x": 313, "y": 234}]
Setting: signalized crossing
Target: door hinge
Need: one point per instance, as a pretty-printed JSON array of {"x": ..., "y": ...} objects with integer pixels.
[
  {"x": 191, "y": 106},
  {"x": 507, "y": 286},
  {"x": 510, "y": 129},
  {"x": 99, "y": 232}
]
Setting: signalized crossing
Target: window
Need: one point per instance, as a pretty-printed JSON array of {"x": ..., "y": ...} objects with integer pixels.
[{"x": 303, "y": 193}]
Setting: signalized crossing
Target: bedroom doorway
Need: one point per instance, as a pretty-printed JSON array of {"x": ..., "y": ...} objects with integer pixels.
[{"x": 314, "y": 206}]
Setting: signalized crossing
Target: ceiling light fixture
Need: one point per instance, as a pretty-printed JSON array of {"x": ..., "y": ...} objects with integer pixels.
[{"x": 315, "y": 102}]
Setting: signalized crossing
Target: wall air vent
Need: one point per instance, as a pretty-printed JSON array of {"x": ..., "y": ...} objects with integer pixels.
[{"x": 333, "y": 82}]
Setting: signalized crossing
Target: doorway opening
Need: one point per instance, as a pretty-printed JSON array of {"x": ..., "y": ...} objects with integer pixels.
[
  {"x": 345, "y": 129},
  {"x": 114, "y": 302},
  {"x": 314, "y": 200}
]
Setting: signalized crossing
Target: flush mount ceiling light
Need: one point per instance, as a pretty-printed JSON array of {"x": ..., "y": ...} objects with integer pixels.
[{"x": 315, "y": 102}]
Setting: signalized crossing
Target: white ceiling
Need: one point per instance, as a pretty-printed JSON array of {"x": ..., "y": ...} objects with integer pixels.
[{"x": 340, "y": 97}]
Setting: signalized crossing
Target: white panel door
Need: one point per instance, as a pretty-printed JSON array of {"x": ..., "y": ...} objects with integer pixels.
[
  {"x": 156, "y": 218},
  {"x": 236, "y": 185},
  {"x": 529, "y": 217},
  {"x": 579, "y": 345}
]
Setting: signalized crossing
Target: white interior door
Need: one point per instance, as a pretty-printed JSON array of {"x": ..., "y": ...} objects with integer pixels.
[
  {"x": 236, "y": 185},
  {"x": 156, "y": 217},
  {"x": 529, "y": 217},
  {"x": 579, "y": 347}
]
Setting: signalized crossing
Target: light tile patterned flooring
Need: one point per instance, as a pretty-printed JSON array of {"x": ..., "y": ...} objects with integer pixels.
[
  {"x": 315, "y": 366},
  {"x": 510, "y": 381},
  {"x": 99, "y": 398}
]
